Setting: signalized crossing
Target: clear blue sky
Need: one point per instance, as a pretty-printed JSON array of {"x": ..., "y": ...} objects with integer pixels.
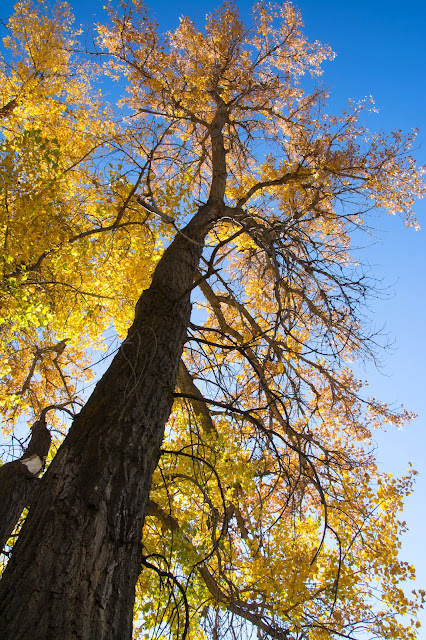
[{"x": 381, "y": 51}]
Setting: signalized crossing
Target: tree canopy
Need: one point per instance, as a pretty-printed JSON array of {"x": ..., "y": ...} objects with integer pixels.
[{"x": 212, "y": 210}]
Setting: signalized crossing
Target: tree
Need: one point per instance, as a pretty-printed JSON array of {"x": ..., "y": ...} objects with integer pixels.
[{"x": 239, "y": 434}]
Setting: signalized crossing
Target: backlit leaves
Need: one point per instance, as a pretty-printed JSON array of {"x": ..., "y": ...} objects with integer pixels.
[{"x": 267, "y": 510}]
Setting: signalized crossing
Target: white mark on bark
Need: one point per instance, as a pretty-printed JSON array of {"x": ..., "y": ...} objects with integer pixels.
[{"x": 34, "y": 464}]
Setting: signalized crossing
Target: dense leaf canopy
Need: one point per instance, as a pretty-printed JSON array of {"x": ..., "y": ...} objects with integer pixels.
[{"x": 267, "y": 512}]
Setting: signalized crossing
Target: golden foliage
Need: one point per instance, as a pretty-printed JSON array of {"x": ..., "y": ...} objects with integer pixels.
[{"x": 267, "y": 504}]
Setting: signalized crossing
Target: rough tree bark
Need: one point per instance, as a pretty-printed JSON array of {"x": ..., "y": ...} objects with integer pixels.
[{"x": 78, "y": 556}]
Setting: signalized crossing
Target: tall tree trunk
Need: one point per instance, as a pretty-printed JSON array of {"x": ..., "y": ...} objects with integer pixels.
[{"x": 73, "y": 570}]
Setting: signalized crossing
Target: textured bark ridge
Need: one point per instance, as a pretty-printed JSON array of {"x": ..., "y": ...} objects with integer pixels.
[
  {"x": 18, "y": 479},
  {"x": 77, "y": 559}
]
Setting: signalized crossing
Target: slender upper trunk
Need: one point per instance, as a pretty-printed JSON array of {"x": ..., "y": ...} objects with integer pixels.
[{"x": 73, "y": 570}]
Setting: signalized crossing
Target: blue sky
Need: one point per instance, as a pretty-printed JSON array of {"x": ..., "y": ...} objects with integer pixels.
[{"x": 381, "y": 51}]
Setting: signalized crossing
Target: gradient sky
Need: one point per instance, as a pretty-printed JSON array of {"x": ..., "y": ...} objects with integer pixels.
[{"x": 381, "y": 51}]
